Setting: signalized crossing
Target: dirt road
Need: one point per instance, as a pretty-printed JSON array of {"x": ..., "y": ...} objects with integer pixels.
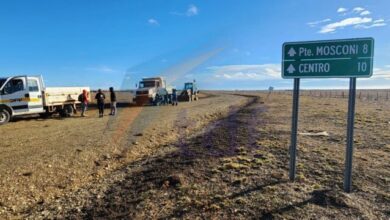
[{"x": 224, "y": 157}]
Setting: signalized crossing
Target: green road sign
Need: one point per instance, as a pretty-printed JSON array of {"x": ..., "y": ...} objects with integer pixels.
[{"x": 328, "y": 59}]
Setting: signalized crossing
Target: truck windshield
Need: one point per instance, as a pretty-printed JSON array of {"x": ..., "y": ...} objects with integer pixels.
[
  {"x": 188, "y": 86},
  {"x": 147, "y": 84},
  {"x": 2, "y": 81}
]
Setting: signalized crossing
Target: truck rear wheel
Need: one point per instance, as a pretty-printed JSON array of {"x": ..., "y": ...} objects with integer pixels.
[
  {"x": 5, "y": 116},
  {"x": 67, "y": 111}
]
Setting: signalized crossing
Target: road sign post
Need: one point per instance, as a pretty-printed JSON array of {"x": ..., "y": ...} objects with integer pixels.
[
  {"x": 350, "y": 126},
  {"x": 294, "y": 130},
  {"x": 348, "y": 58}
]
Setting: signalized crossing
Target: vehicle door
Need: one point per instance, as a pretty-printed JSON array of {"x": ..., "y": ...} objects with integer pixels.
[
  {"x": 35, "y": 102},
  {"x": 15, "y": 94}
]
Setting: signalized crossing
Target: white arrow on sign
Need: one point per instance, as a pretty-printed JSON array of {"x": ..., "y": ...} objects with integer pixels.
[
  {"x": 291, "y": 69},
  {"x": 292, "y": 52}
]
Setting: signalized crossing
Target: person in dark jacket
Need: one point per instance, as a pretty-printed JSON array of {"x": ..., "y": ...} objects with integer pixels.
[
  {"x": 174, "y": 97},
  {"x": 100, "y": 97},
  {"x": 113, "y": 101}
]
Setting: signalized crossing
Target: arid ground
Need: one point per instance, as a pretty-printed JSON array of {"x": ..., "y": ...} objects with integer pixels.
[{"x": 222, "y": 157}]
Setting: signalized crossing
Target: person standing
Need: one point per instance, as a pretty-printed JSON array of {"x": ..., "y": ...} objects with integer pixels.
[
  {"x": 84, "y": 103},
  {"x": 113, "y": 101},
  {"x": 100, "y": 97},
  {"x": 174, "y": 97}
]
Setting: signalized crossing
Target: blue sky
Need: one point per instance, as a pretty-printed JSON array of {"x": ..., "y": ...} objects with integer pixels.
[{"x": 223, "y": 44}]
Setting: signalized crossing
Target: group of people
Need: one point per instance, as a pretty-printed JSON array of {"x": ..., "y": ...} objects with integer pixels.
[
  {"x": 100, "y": 99},
  {"x": 167, "y": 98}
]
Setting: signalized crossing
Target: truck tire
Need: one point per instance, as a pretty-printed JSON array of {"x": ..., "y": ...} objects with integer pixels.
[
  {"x": 67, "y": 111},
  {"x": 5, "y": 116}
]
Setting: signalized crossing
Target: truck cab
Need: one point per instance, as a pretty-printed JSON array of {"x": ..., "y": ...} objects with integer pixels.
[
  {"x": 23, "y": 95},
  {"x": 20, "y": 95},
  {"x": 191, "y": 86},
  {"x": 152, "y": 91}
]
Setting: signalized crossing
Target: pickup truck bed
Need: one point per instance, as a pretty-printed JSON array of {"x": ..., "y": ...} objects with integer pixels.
[{"x": 62, "y": 95}]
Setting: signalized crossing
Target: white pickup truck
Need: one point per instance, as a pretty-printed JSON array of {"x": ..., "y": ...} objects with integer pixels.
[{"x": 23, "y": 95}]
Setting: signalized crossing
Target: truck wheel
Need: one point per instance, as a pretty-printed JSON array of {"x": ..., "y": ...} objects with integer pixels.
[
  {"x": 67, "y": 111},
  {"x": 5, "y": 116}
]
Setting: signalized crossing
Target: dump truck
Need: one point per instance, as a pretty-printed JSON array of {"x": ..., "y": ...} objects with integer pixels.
[
  {"x": 189, "y": 93},
  {"x": 153, "y": 91},
  {"x": 24, "y": 95}
]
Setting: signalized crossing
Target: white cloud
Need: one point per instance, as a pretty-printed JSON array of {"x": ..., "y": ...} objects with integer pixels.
[
  {"x": 315, "y": 23},
  {"x": 342, "y": 10},
  {"x": 379, "y": 21},
  {"x": 332, "y": 27},
  {"x": 153, "y": 21},
  {"x": 371, "y": 25},
  {"x": 103, "y": 69},
  {"x": 358, "y": 9},
  {"x": 360, "y": 18},
  {"x": 382, "y": 73},
  {"x": 365, "y": 13},
  {"x": 192, "y": 10},
  {"x": 246, "y": 72},
  {"x": 375, "y": 23}
]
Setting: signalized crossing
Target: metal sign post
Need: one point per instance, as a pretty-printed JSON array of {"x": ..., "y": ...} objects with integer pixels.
[
  {"x": 350, "y": 126},
  {"x": 348, "y": 58},
  {"x": 294, "y": 130}
]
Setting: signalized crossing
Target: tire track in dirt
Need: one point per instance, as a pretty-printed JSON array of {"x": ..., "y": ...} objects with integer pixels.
[
  {"x": 144, "y": 117},
  {"x": 118, "y": 195}
]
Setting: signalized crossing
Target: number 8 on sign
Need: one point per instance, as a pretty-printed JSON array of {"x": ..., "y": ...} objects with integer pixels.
[{"x": 365, "y": 48}]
